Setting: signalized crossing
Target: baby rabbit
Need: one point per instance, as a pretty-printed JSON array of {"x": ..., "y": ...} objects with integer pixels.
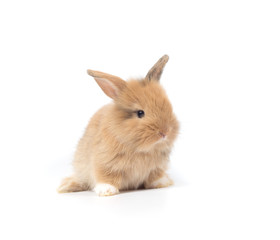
[{"x": 127, "y": 143}]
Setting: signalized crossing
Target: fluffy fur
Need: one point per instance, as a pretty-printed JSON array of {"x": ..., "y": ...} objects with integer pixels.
[{"x": 120, "y": 151}]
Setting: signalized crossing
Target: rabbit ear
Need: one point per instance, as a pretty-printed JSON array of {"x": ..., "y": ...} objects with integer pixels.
[
  {"x": 156, "y": 71},
  {"x": 111, "y": 85}
]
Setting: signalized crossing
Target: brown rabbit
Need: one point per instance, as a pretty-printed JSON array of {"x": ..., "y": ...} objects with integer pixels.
[{"x": 126, "y": 143}]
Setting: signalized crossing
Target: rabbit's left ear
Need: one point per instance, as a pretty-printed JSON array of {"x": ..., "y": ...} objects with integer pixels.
[
  {"x": 110, "y": 84},
  {"x": 155, "y": 72}
]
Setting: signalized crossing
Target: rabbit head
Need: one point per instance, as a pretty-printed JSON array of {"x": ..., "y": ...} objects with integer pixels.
[{"x": 142, "y": 117}]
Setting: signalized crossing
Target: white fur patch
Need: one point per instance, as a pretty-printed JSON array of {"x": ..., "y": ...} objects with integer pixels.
[
  {"x": 105, "y": 189},
  {"x": 165, "y": 181}
]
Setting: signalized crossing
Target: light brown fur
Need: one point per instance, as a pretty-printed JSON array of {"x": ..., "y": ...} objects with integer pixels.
[{"x": 120, "y": 149}]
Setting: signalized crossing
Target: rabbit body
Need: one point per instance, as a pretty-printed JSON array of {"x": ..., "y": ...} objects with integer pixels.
[{"x": 126, "y": 144}]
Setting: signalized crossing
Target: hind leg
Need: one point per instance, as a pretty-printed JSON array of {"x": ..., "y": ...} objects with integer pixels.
[{"x": 72, "y": 184}]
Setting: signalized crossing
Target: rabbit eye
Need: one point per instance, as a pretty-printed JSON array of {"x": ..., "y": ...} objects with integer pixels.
[{"x": 140, "y": 113}]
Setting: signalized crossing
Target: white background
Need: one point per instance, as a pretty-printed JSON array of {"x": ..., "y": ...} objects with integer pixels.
[{"x": 222, "y": 78}]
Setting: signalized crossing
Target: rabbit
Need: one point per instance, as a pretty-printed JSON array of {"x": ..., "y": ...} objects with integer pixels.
[{"x": 127, "y": 143}]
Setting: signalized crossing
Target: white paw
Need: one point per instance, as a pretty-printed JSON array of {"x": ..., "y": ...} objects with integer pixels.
[
  {"x": 104, "y": 189},
  {"x": 165, "y": 181}
]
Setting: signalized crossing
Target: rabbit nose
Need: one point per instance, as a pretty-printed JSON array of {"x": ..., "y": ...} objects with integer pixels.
[
  {"x": 163, "y": 135},
  {"x": 163, "y": 132}
]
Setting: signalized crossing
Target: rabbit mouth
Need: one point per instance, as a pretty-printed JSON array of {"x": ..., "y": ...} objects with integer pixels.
[{"x": 161, "y": 139}]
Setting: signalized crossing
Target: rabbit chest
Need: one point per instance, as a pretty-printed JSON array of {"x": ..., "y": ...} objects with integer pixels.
[{"x": 135, "y": 168}]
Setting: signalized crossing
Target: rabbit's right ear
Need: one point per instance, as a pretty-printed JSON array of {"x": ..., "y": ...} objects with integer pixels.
[
  {"x": 111, "y": 85},
  {"x": 155, "y": 72}
]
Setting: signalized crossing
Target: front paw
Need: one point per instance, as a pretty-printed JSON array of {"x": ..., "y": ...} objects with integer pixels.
[
  {"x": 105, "y": 189},
  {"x": 162, "y": 182}
]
